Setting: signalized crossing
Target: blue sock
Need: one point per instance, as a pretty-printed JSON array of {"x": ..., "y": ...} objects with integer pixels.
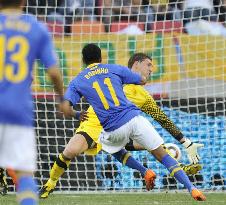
[
  {"x": 172, "y": 165},
  {"x": 27, "y": 191},
  {"x": 124, "y": 157}
]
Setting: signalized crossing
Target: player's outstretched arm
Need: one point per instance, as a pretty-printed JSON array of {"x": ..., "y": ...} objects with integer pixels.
[
  {"x": 69, "y": 112},
  {"x": 150, "y": 107}
]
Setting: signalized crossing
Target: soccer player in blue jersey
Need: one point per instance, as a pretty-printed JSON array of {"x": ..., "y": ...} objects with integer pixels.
[
  {"x": 102, "y": 86},
  {"x": 22, "y": 40},
  {"x": 87, "y": 134}
]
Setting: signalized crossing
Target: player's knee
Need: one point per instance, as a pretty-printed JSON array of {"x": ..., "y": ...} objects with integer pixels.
[
  {"x": 17, "y": 174},
  {"x": 87, "y": 141},
  {"x": 72, "y": 150},
  {"x": 159, "y": 153},
  {"x": 71, "y": 153},
  {"x": 75, "y": 146}
]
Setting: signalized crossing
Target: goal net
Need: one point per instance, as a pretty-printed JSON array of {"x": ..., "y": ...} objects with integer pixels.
[{"x": 188, "y": 47}]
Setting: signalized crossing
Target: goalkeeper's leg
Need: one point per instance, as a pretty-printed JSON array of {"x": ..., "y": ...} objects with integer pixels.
[
  {"x": 77, "y": 145},
  {"x": 189, "y": 169}
]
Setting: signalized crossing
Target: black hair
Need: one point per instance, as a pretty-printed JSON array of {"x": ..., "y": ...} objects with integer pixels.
[
  {"x": 137, "y": 57},
  {"x": 91, "y": 53},
  {"x": 10, "y": 3}
]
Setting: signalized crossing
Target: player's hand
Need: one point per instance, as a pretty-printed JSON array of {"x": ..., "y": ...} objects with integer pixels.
[
  {"x": 82, "y": 116},
  {"x": 192, "y": 150},
  {"x": 66, "y": 109}
]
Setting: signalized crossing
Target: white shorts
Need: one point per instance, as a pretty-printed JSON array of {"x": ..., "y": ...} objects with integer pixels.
[
  {"x": 17, "y": 147},
  {"x": 138, "y": 129}
]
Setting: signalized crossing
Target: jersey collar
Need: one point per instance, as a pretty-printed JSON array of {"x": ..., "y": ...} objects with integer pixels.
[{"x": 92, "y": 65}]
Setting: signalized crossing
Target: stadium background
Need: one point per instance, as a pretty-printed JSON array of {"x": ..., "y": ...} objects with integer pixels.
[{"x": 188, "y": 83}]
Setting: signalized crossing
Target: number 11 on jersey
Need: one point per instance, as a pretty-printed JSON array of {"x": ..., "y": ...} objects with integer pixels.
[{"x": 107, "y": 82}]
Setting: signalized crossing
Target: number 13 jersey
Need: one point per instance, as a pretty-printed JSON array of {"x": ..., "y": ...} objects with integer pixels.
[{"x": 22, "y": 40}]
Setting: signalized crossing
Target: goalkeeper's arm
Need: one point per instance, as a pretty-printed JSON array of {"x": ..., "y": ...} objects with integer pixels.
[{"x": 150, "y": 107}]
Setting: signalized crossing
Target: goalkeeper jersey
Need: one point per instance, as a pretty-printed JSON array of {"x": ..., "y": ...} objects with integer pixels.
[
  {"x": 143, "y": 100},
  {"x": 22, "y": 40},
  {"x": 140, "y": 97}
]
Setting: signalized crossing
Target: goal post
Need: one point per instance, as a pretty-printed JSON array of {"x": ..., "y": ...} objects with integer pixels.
[{"x": 188, "y": 82}]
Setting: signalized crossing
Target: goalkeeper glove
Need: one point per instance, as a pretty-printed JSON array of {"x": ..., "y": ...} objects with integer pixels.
[{"x": 192, "y": 150}]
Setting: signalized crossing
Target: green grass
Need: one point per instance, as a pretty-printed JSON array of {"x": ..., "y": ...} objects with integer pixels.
[{"x": 123, "y": 199}]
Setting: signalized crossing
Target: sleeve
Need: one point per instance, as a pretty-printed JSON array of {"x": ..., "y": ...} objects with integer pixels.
[
  {"x": 151, "y": 108},
  {"x": 46, "y": 53},
  {"x": 136, "y": 94},
  {"x": 129, "y": 77},
  {"x": 72, "y": 94}
]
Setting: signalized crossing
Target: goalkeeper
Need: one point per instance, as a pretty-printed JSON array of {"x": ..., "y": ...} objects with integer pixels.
[{"x": 86, "y": 137}]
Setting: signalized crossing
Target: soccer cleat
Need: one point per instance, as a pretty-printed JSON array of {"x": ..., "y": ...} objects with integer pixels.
[
  {"x": 149, "y": 179},
  {"x": 3, "y": 183},
  {"x": 198, "y": 195},
  {"x": 191, "y": 169},
  {"x": 46, "y": 189}
]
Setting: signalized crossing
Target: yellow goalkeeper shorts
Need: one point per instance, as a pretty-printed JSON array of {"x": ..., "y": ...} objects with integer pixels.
[{"x": 93, "y": 130}]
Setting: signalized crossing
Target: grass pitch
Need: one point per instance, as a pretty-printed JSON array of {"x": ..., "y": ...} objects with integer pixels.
[{"x": 123, "y": 199}]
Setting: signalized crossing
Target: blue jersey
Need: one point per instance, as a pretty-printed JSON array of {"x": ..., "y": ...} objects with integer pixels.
[
  {"x": 102, "y": 86},
  {"x": 22, "y": 40}
]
